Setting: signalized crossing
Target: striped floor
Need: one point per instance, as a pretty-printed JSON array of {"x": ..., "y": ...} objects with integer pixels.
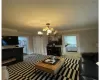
[{"x": 25, "y": 70}]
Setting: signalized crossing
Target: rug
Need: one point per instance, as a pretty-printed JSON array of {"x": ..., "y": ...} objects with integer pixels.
[{"x": 26, "y": 71}]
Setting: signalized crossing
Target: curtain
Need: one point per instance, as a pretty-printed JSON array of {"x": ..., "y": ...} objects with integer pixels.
[{"x": 39, "y": 44}]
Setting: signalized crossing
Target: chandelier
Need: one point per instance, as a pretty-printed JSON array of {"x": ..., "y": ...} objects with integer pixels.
[{"x": 48, "y": 30}]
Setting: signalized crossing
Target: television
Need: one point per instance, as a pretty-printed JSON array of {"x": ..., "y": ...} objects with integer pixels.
[{"x": 9, "y": 40}]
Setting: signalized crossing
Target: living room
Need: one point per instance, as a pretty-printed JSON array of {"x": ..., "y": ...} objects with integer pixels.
[{"x": 72, "y": 37}]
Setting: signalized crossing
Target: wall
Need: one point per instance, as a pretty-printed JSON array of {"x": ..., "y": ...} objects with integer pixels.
[{"x": 87, "y": 39}]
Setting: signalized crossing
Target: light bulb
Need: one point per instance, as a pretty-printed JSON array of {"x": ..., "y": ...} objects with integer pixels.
[
  {"x": 49, "y": 31},
  {"x": 40, "y": 33}
]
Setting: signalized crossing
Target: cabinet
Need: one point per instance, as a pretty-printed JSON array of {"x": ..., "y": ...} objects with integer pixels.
[{"x": 12, "y": 55}]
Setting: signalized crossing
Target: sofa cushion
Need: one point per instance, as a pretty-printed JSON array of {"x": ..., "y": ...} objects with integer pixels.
[
  {"x": 86, "y": 78},
  {"x": 89, "y": 70},
  {"x": 86, "y": 60},
  {"x": 90, "y": 56}
]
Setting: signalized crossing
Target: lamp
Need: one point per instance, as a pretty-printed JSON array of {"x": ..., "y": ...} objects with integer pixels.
[{"x": 48, "y": 30}]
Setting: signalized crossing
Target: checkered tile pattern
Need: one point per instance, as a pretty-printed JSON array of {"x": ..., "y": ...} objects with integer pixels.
[{"x": 26, "y": 71}]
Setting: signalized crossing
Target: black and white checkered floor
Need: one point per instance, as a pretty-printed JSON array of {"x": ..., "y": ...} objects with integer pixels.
[{"x": 25, "y": 70}]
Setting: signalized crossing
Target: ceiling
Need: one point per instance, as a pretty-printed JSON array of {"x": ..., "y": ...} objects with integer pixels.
[{"x": 32, "y": 15}]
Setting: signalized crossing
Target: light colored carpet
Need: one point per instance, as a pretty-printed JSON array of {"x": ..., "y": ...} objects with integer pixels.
[{"x": 74, "y": 55}]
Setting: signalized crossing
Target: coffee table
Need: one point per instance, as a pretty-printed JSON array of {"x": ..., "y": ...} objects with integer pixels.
[{"x": 50, "y": 68}]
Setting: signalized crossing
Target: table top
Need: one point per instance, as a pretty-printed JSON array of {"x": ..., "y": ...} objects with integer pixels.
[{"x": 48, "y": 67}]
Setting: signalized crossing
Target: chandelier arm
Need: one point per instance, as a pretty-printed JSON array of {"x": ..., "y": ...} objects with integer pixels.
[{"x": 49, "y": 30}]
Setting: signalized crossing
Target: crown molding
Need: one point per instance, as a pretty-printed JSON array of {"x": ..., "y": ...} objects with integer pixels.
[
  {"x": 10, "y": 30},
  {"x": 77, "y": 30}
]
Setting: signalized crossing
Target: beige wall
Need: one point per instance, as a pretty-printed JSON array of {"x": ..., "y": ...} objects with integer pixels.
[{"x": 87, "y": 39}]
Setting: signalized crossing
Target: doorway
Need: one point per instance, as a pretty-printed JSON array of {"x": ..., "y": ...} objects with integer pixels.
[{"x": 70, "y": 43}]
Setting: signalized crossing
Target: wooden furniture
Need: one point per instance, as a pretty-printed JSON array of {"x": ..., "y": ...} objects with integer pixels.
[
  {"x": 50, "y": 68},
  {"x": 12, "y": 55},
  {"x": 56, "y": 51}
]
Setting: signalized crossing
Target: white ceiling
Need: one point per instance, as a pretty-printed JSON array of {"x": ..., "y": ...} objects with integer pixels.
[{"x": 32, "y": 15}]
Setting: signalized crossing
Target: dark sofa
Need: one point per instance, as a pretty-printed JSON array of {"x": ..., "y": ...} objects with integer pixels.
[{"x": 88, "y": 69}]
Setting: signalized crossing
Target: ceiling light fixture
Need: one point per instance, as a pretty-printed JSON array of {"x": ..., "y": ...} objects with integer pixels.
[{"x": 48, "y": 30}]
